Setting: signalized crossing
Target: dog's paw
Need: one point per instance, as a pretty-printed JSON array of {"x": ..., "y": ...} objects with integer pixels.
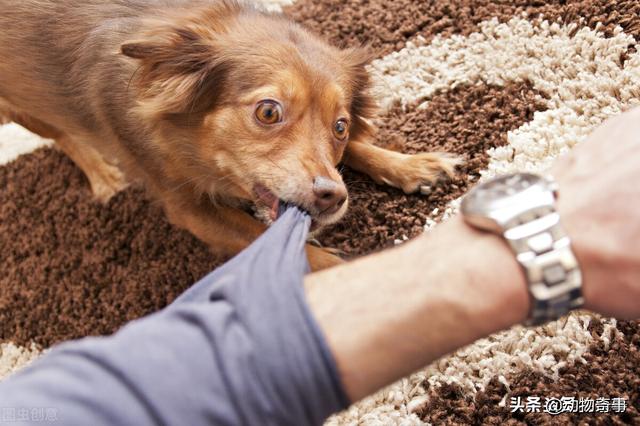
[
  {"x": 106, "y": 181},
  {"x": 322, "y": 258},
  {"x": 413, "y": 172}
]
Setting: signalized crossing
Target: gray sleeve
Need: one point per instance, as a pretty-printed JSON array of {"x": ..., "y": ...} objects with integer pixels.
[{"x": 240, "y": 347}]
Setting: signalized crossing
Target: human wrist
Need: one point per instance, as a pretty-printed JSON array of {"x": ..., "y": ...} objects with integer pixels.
[
  {"x": 579, "y": 230},
  {"x": 500, "y": 297}
]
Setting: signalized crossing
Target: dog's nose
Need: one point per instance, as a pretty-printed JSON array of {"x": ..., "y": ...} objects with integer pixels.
[{"x": 330, "y": 195}]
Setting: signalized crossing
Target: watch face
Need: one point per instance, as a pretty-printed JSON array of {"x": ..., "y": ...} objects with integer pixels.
[{"x": 502, "y": 193}]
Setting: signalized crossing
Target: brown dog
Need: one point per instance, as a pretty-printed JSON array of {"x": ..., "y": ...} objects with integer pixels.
[{"x": 212, "y": 104}]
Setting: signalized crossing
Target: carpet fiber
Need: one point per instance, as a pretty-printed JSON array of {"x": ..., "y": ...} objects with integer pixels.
[{"x": 509, "y": 85}]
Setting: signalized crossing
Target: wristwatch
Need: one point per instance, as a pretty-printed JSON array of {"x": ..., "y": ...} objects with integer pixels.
[{"x": 521, "y": 208}]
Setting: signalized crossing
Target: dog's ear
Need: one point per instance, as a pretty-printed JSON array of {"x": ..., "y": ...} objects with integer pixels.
[
  {"x": 181, "y": 70},
  {"x": 363, "y": 105}
]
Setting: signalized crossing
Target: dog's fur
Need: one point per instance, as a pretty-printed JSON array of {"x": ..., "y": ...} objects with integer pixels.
[{"x": 165, "y": 91}]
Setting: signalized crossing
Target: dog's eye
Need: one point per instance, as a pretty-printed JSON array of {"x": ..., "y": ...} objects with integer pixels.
[
  {"x": 340, "y": 129},
  {"x": 269, "y": 112}
]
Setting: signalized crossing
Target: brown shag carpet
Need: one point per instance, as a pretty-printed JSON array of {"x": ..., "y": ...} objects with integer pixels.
[{"x": 508, "y": 85}]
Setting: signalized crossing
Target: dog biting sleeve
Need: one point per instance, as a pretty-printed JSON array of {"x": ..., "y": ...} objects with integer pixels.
[{"x": 240, "y": 347}]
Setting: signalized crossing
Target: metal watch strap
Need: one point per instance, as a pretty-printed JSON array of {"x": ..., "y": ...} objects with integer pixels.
[{"x": 543, "y": 249}]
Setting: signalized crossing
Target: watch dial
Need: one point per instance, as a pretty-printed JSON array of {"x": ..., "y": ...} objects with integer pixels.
[{"x": 483, "y": 196}]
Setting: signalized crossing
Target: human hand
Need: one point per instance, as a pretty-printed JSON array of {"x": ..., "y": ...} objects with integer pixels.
[{"x": 599, "y": 205}]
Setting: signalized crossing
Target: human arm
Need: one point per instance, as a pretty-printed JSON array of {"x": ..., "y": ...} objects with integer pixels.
[
  {"x": 454, "y": 285},
  {"x": 419, "y": 301}
]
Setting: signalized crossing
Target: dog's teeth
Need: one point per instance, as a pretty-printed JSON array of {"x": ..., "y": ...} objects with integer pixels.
[
  {"x": 314, "y": 242},
  {"x": 425, "y": 190}
]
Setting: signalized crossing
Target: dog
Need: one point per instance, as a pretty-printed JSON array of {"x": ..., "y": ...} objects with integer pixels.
[{"x": 213, "y": 105}]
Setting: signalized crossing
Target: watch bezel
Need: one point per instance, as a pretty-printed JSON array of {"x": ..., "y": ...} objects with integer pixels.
[{"x": 501, "y": 211}]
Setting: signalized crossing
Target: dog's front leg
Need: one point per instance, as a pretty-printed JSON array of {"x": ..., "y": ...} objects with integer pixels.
[
  {"x": 104, "y": 178},
  {"x": 227, "y": 230},
  {"x": 405, "y": 171}
]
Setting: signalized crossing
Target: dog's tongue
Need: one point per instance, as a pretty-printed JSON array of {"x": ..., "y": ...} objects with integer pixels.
[
  {"x": 275, "y": 210},
  {"x": 276, "y": 206},
  {"x": 269, "y": 199}
]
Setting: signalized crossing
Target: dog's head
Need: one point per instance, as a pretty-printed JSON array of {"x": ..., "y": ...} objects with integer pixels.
[{"x": 252, "y": 106}]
